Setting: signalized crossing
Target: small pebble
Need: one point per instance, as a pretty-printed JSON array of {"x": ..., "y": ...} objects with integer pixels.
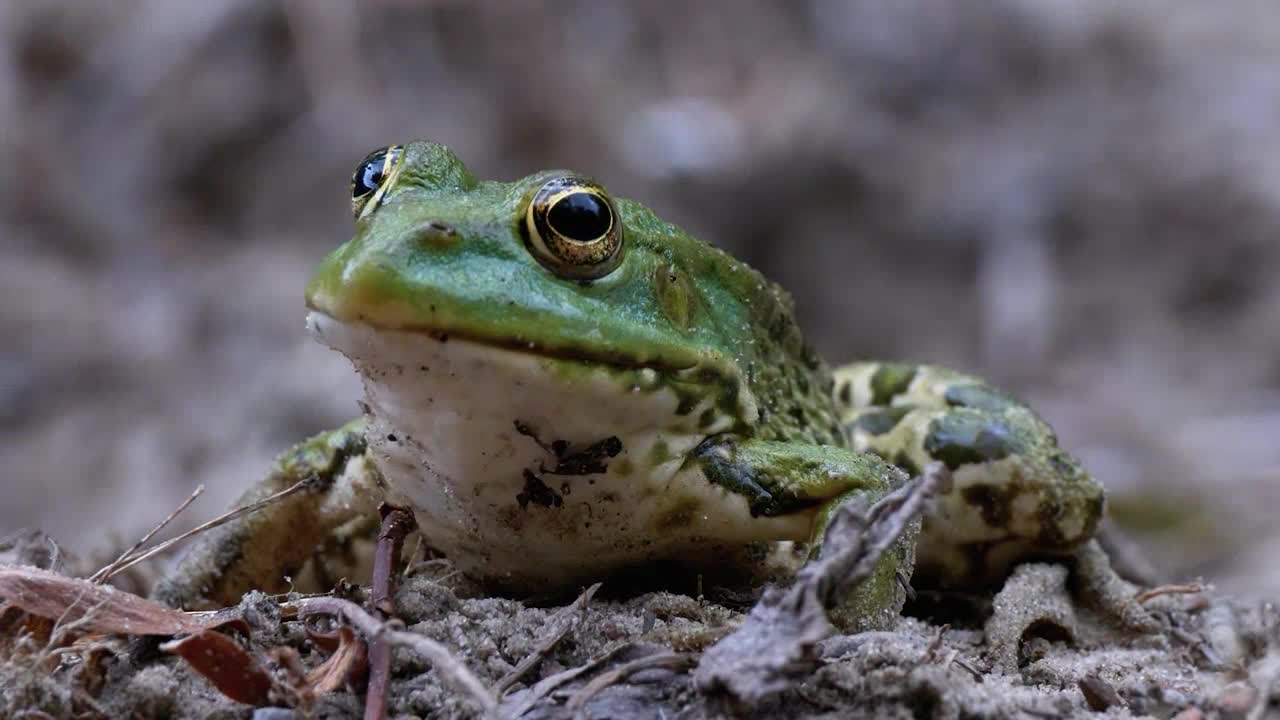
[
  {"x": 1098, "y": 693},
  {"x": 1237, "y": 699}
]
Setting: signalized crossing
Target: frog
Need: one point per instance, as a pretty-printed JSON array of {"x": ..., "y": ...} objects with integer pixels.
[{"x": 561, "y": 386}]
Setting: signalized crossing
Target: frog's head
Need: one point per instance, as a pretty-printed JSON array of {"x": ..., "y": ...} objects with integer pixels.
[{"x": 550, "y": 265}]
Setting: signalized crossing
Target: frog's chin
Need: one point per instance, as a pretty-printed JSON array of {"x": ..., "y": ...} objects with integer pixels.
[{"x": 533, "y": 472}]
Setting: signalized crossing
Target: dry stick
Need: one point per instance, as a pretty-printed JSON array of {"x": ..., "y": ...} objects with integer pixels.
[
  {"x": 109, "y": 570},
  {"x": 374, "y": 629},
  {"x": 964, "y": 665},
  {"x": 61, "y": 628},
  {"x": 563, "y": 625},
  {"x": 220, "y": 520},
  {"x": 672, "y": 661},
  {"x": 396, "y": 524},
  {"x": 931, "y": 652},
  {"x": 548, "y": 685},
  {"x": 1155, "y": 592}
]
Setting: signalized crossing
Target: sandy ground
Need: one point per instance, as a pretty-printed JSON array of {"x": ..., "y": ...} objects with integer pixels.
[{"x": 1043, "y": 650}]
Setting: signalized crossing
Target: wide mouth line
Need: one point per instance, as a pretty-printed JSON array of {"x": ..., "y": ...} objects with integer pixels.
[{"x": 617, "y": 361}]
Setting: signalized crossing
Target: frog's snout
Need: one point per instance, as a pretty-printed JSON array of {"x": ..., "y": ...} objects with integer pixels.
[{"x": 434, "y": 234}]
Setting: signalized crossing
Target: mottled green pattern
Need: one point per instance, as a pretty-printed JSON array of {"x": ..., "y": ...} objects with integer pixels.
[{"x": 1017, "y": 493}]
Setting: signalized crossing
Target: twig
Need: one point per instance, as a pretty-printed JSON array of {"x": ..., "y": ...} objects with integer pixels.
[
  {"x": 220, "y": 520},
  {"x": 412, "y": 562},
  {"x": 964, "y": 665},
  {"x": 775, "y": 646},
  {"x": 396, "y": 524},
  {"x": 372, "y": 628},
  {"x": 548, "y": 685},
  {"x": 835, "y": 576},
  {"x": 1155, "y": 592},
  {"x": 672, "y": 661},
  {"x": 62, "y": 628},
  {"x": 109, "y": 570},
  {"x": 563, "y": 622},
  {"x": 904, "y": 582},
  {"x": 935, "y": 644},
  {"x": 416, "y": 567}
]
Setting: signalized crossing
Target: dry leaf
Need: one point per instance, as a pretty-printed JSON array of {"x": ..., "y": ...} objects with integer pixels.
[
  {"x": 222, "y": 661},
  {"x": 96, "y": 608},
  {"x": 348, "y": 662}
]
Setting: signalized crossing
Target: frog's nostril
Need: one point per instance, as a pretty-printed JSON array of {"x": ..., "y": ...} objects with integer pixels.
[{"x": 435, "y": 233}]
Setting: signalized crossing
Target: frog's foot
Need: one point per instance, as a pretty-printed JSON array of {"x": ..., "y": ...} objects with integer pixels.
[
  {"x": 785, "y": 478},
  {"x": 1099, "y": 587},
  {"x": 262, "y": 548},
  {"x": 1016, "y": 494}
]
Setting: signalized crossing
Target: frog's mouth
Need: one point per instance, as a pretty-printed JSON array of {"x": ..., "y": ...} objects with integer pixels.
[{"x": 329, "y": 330}]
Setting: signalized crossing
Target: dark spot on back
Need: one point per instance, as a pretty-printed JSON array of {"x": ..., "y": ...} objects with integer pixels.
[
  {"x": 846, "y": 393},
  {"x": 993, "y": 505},
  {"x": 960, "y": 438},
  {"x": 889, "y": 380},
  {"x": 980, "y": 397},
  {"x": 879, "y": 422}
]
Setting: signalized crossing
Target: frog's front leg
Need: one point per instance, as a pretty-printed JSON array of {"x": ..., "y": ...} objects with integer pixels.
[
  {"x": 259, "y": 549},
  {"x": 784, "y": 478}
]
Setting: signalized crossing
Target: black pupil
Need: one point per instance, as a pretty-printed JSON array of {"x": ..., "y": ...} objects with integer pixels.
[
  {"x": 369, "y": 176},
  {"x": 581, "y": 216}
]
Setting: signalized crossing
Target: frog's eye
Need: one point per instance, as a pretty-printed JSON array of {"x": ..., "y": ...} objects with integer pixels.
[
  {"x": 372, "y": 177},
  {"x": 572, "y": 228}
]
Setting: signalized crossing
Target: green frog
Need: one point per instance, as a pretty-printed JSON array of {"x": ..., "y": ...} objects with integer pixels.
[{"x": 562, "y": 387}]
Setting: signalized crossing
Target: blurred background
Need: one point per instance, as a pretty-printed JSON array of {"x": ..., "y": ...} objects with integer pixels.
[{"x": 1079, "y": 200}]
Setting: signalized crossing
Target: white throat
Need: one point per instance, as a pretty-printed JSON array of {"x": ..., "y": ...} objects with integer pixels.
[{"x": 466, "y": 434}]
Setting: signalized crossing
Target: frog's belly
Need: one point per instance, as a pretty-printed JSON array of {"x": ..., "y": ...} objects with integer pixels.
[{"x": 443, "y": 431}]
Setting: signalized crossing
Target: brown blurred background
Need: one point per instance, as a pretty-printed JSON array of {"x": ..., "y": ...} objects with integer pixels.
[{"x": 1079, "y": 200}]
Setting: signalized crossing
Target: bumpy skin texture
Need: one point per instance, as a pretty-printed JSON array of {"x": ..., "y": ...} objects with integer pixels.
[
  {"x": 1015, "y": 495},
  {"x": 546, "y": 427}
]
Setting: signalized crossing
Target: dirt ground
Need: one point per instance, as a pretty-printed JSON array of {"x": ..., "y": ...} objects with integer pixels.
[
  {"x": 1079, "y": 201},
  {"x": 1041, "y": 647}
]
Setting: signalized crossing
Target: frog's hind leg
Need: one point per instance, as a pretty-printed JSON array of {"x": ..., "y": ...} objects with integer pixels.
[
  {"x": 259, "y": 549},
  {"x": 1016, "y": 494}
]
